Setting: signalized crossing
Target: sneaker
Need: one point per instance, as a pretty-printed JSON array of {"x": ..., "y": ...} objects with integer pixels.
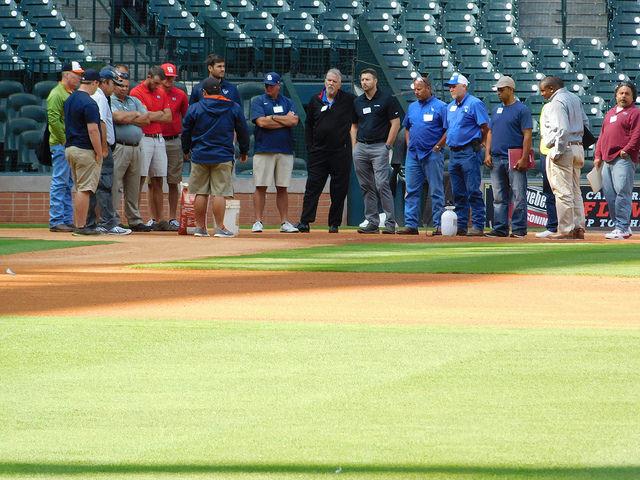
[
  {"x": 495, "y": 234},
  {"x": 200, "y": 232},
  {"x": 389, "y": 230},
  {"x": 303, "y": 227},
  {"x": 370, "y": 228},
  {"x": 544, "y": 234},
  {"x": 257, "y": 227},
  {"x": 151, "y": 223},
  {"x": 629, "y": 232},
  {"x": 408, "y": 231},
  {"x": 461, "y": 233},
  {"x": 174, "y": 223},
  {"x": 334, "y": 229},
  {"x": 163, "y": 226},
  {"x": 518, "y": 234},
  {"x": 475, "y": 232},
  {"x": 617, "y": 234},
  {"x": 223, "y": 233},
  {"x": 82, "y": 231},
  {"x": 117, "y": 230},
  {"x": 140, "y": 227},
  {"x": 286, "y": 227},
  {"x": 61, "y": 228},
  {"x": 102, "y": 230}
]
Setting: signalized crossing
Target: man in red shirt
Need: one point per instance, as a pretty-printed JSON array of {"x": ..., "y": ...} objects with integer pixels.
[
  {"x": 178, "y": 103},
  {"x": 154, "y": 154}
]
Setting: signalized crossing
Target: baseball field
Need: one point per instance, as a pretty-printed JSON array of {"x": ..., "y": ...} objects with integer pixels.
[{"x": 316, "y": 356}]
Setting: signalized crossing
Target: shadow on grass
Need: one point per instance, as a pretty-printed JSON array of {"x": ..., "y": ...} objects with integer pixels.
[{"x": 561, "y": 473}]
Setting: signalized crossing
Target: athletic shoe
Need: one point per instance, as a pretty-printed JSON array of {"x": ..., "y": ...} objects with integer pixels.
[
  {"x": 174, "y": 223},
  {"x": 518, "y": 234},
  {"x": 200, "y": 232},
  {"x": 461, "y": 233},
  {"x": 163, "y": 226},
  {"x": 408, "y": 231},
  {"x": 117, "y": 230},
  {"x": 151, "y": 223},
  {"x": 140, "y": 227},
  {"x": 102, "y": 230},
  {"x": 496, "y": 234},
  {"x": 334, "y": 229},
  {"x": 223, "y": 233},
  {"x": 617, "y": 234},
  {"x": 257, "y": 227},
  {"x": 370, "y": 228},
  {"x": 475, "y": 232},
  {"x": 629, "y": 232},
  {"x": 389, "y": 230},
  {"x": 303, "y": 227},
  {"x": 544, "y": 234},
  {"x": 82, "y": 231},
  {"x": 61, "y": 228},
  {"x": 286, "y": 227}
]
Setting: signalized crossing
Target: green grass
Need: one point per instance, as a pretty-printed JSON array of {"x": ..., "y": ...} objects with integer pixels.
[
  {"x": 23, "y": 225},
  {"x": 185, "y": 399},
  {"x": 9, "y": 246},
  {"x": 614, "y": 259}
]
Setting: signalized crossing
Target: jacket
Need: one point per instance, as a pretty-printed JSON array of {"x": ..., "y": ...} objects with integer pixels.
[{"x": 327, "y": 129}]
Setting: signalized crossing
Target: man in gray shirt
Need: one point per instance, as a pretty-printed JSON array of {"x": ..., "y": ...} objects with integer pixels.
[
  {"x": 564, "y": 122},
  {"x": 129, "y": 115}
]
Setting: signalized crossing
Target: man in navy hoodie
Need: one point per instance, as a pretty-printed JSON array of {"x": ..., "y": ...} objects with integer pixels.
[{"x": 207, "y": 134}]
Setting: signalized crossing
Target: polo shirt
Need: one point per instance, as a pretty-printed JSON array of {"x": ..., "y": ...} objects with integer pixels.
[
  {"x": 155, "y": 101},
  {"x": 464, "y": 119},
  {"x": 79, "y": 110},
  {"x": 374, "y": 116},
  {"x": 105, "y": 114},
  {"x": 507, "y": 123},
  {"x": 178, "y": 103},
  {"x": 425, "y": 122},
  {"x": 278, "y": 140},
  {"x": 127, "y": 133},
  {"x": 228, "y": 90},
  {"x": 620, "y": 131}
]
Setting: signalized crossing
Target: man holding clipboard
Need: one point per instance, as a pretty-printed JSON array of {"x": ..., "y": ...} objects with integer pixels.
[{"x": 509, "y": 156}]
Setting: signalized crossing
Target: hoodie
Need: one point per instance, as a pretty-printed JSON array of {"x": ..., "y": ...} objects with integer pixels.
[{"x": 208, "y": 128}]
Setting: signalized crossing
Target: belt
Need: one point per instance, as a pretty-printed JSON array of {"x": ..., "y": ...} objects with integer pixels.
[
  {"x": 128, "y": 144},
  {"x": 372, "y": 142},
  {"x": 462, "y": 147},
  {"x": 153, "y": 135},
  {"x": 171, "y": 137},
  {"x": 574, "y": 143}
]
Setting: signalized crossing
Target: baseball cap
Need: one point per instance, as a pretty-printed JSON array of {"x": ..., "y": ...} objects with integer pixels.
[
  {"x": 110, "y": 73},
  {"x": 91, "y": 75},
  {"x": 271, "y": 78},
  {"x": 505, "y": 81},
  {"x": 211, "y": 86},
  {"x": 73, "y": 67},
  {"x": 457, "y": 79},
  {"x": 169, "y": 70}
]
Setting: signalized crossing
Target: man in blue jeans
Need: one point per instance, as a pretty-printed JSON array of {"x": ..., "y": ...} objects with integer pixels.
[
  {"x": 510, "y": 128},
  {"x": 425, "y": 135},
  {"x": 467, "y": 128}
]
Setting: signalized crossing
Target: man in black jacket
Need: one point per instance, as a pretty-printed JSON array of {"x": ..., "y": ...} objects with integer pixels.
[{"x": 329, "y": 118}]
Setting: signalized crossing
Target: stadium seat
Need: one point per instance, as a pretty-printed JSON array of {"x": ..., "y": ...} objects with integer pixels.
[
  {"x": 35, "y": 112},
  {"x": 535, "y": 104},
  {"x": 354, "y": 8},
  {"x": 594, "y": 105},
  {"x": 28, "y": 142},
  {"x": 537, "y": 43},
  {"x": 463, "y": 42},
  {"x": 577, "y": 43},
  {"x": 14, "y": 128},
  {"x": 313, "y": 7},
  {"x": 236, "y": 6},
  {"x": 432, "y": 8},
  {"x": 16, "y": 101},
  {"x": 274, "y": 7},
  {"x": 392, "y": 7}
]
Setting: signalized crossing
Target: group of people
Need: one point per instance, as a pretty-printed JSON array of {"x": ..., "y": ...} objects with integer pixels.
[{"x": 109, "y": 139}]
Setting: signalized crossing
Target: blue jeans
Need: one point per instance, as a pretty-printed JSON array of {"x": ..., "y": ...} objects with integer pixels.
[
  {"x": 617, "y": 184},
  {"x": 104, "y": 198},
  {"x": 509, "y": 186},
  {"x": 60, "y": 203},
  {"x": 416, "y": 170},
  {"x": 550, "y": 199},
  {"x": 464, "y": 173}
]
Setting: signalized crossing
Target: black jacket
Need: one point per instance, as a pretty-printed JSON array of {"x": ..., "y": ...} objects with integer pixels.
[{"x": 328, "y": 130}]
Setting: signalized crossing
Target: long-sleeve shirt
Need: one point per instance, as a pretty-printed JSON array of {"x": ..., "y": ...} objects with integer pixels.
[
  {"x": 565, "y": 121},
  {"x": 55, "y": 114},
  {"x": 620, "y": 131}
]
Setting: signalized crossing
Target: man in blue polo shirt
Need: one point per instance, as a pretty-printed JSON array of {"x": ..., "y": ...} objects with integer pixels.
[
  {"x": 511, "y": 127},
  {"x": 467, "y": 128},
  {"x": 216, "y": 68},
  {"x": 275, "y": 118},
  {"x": 425, "y": 136}
]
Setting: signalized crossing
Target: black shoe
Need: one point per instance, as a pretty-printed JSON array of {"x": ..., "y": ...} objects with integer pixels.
[
  {"x": 303, "y": 227},
  {"x": 518, "y": 234},
  {"x": 389, "y": 230},
  {"x": 61, "y": 228},
  {"x": 475, "y": 232},
  {"x": 461, "y": 233},
  {"x": 82, "y": 231},
  {"x": 408, "y": 231},
  {"x": 162, "y": 226},
  {"x": 140, "y": 227},
  {"x": 333, "y": 228},
  {"x": 370, "y": 228},
  {"x": 495, "y": 234}
]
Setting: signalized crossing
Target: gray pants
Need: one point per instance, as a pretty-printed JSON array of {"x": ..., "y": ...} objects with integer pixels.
[
  {"x": 126, "y": 175},
  {"x": 371, "y": 163}
]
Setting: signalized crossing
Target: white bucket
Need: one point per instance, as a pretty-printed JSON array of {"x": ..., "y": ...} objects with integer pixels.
[{"x": 449, "y": 222}]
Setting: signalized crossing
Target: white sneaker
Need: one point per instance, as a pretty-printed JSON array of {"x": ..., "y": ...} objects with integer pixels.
[
  {"x": 151, "y": 223},
  {"x": 544, "y": 234},
  {"x": 102, "y": 230},
  {"x": 257, "y": 227},
  {"x": 628, "y": 232},
  {"x": 118, "y": 230},
  {"x": 617, "y": 234},
  {"x": 286, "y": 227},
  {"x": 174, "y": 223},
  {"x": 223, "y": 233},
  {"x": 200, "y": 232}
]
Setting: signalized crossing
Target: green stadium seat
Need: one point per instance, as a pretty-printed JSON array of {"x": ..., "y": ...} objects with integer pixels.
[
  {"x": 392, "y": 7},
  {"x": 536, "y": 44},
  {"x": 28, "y": 142},
  {"x": 274, "y": 7},
  {"x": 16, "y": 101},
  {"x": 35, "y": 112},
  {"x": 313, "y": 7}
]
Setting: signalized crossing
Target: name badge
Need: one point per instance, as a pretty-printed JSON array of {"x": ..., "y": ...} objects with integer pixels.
[
  {"x": 499, "y": 110},
  {"x": 613, "y": 119},
  {"x": 324, "y": 107},
  {"x": 278, "y": 109},
  {"x": 366, "y": 110},
  {"x": 427, "y": 117},
  {"x": 453, "y": 108}
]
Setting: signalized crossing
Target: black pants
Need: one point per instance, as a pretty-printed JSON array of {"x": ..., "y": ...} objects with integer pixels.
[{"x": 319, "y": 167}]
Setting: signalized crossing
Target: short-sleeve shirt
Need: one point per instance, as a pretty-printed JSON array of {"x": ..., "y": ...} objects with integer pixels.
[
  {"x": 464, "y": 120},
  {"x": 105, "y": 114},
  {"x": 127, "y": 133},
  {"x": 178, "y": 103},
  {"x": 79, "y": 110},
  {"x": 155, "y": 101},
  {"x": 374, "y": 116},
  {"x": 425, "y": 122},
  {"x": 507, "y": 124},
  {"x": 278, "y": 140},
  {"x": 228, "y": 90}
]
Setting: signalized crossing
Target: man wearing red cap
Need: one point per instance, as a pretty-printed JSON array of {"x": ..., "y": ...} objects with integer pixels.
[{"x": 178, "y": 103}]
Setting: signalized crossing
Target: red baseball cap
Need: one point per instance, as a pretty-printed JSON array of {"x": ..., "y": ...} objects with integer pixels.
[{"x": 169, "y": 69}]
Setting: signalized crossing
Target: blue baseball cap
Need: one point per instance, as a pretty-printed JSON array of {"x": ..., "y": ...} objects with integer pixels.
[
  {"x": 90, "y": 75},
  {"x": 457, "y": 79},
  {"x": 271, "y": 78},
  {"x": 110, "y": 73}
]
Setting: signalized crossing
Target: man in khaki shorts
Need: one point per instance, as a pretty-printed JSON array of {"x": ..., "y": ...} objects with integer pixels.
[
  {"x": 83, "y": 147},
  {"x": 178, "y": 103},
  {"x": 275, "y": 118},
  {"x": 207, "y": 135}
]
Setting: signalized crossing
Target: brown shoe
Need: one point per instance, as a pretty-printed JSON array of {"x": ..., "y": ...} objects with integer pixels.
[
  {"x": 407, "y": 231},
  {"x": 578, "y": 233},
  {"x": 62, "y": 228},
  {"x": 562, "y": 236}
]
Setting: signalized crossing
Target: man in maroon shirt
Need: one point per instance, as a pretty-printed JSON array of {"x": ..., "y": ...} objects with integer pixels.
[
  {"x": 617, "y": 148},
  {"x": 178, "y": 103},
  {"x": 154, "y": 154}
]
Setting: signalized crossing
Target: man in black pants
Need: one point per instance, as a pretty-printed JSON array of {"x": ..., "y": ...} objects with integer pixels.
[{"x": 329, "y": 118}]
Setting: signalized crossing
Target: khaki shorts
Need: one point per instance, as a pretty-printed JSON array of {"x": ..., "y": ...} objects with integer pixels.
[
  {"x": 272, "y": 168},
  {"x": 84, "y": 168},
  {"x": 211, "y": 179},
  {"x": 174, "y": 160},
  {"x": 154, "y": 157}
]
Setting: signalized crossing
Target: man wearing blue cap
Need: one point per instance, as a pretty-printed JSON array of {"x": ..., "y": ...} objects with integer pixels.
[
  {"x": 275, "y": 118},
  {"x": 467, "y": 124}
]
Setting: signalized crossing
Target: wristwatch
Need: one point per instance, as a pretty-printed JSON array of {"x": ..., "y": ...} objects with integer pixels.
[{"x": 437, "y": 148}]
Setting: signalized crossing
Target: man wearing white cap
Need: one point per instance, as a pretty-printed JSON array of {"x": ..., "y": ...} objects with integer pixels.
[
  {"x": 510, "y": 129},
  {"x": 467, "y": 128}
]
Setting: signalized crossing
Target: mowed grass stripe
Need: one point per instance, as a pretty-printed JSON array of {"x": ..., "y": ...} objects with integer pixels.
[
  {"x": 614, "y": 259},
  {"x": 10, "y": 246}
]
